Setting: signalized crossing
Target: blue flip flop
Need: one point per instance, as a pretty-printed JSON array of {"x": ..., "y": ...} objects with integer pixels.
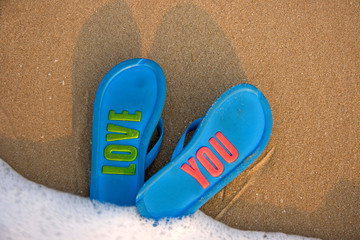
[
  {"x": 127, "y": 109},
  {"x": 232, "y": 134}
]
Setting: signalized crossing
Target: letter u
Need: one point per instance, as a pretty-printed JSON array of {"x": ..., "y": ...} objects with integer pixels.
[{"x": 224, "y": 153}]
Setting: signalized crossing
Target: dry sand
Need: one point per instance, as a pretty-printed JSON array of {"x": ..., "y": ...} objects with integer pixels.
[{"x": 303, "y": 55}]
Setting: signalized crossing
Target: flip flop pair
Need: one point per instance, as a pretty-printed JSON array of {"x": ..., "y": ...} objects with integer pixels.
[{"x": 231, "y": 135}]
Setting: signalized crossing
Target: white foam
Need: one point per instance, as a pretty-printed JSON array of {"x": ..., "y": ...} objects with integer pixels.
[{"x": 32, "y": 211}]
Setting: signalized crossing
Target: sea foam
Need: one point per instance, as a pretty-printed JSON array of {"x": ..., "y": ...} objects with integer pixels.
[{"x": 33, "y": 211}]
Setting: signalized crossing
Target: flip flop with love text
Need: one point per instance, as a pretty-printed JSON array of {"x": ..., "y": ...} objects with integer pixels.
[{"x": 127, "y": 109}]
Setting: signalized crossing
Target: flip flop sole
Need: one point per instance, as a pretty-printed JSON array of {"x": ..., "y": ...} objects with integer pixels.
[
  {"x": 128, "y": 106},
  {"x": 233, "y": 133}
]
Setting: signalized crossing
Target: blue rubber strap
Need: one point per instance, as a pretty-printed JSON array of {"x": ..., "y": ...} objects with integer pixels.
[
  {"x": 156, "y": 148},
  {"x": 180, "y": 145}
]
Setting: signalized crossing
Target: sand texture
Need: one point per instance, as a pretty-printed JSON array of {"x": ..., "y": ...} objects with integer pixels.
[{"x": 303, "y": 55}]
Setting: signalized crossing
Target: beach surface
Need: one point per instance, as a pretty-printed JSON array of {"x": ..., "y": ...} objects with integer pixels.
[{"x": 304, "y": 57}]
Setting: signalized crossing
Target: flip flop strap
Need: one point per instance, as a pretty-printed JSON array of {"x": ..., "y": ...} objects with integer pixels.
[
  {"x": 180, "y": 145},
  {"x": 156, "y": 148}
]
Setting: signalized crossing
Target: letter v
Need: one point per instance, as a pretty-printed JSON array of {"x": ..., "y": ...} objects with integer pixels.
[
  {"x": 125, "y": 133},
  {"x": 192, "y": 169}
]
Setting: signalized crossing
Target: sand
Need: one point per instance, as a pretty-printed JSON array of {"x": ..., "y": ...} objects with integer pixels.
[{"x": 304, "y": 57}]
